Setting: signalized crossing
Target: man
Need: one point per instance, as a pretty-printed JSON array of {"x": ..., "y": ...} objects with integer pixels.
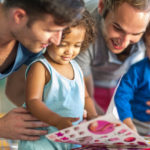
[
  {"x": 27, "y": 27},
  {"x": 120, "y": 25}
]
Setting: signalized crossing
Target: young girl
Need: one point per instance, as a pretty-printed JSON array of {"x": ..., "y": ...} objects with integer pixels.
[{"x": 55, "y": 90}]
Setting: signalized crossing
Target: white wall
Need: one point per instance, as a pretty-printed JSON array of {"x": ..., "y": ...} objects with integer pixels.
[{"x": 91, "y": 4}]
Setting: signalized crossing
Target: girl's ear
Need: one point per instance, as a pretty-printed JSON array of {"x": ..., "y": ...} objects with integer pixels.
[
  {"x": 101, "y": 6},
  {"x": 19, "y": 15}
]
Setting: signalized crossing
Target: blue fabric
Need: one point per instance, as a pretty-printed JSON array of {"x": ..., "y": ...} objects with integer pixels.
[
  {"x": 134, "y": 91},
  {"x": 63, "y": 96},
  {"x": 24, "y": 56}
]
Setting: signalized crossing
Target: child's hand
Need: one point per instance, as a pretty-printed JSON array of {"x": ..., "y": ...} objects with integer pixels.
[
  {"x": 84, "y": 114},
  {"x": 130, "y": 124},
  {"x": 65, "y": 122},
  {"x": 148, "y": 103},
  {"x": 89, "y": 117}
]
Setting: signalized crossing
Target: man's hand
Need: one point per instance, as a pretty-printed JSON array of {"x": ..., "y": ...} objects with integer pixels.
[{"x": 19, "y": 124}]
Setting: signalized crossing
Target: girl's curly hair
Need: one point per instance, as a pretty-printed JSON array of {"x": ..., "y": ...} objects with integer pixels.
[{"x": 88, "y": 23}]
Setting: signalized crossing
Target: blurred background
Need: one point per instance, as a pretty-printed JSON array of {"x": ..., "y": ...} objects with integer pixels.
[{"x": 5, "y": 106}]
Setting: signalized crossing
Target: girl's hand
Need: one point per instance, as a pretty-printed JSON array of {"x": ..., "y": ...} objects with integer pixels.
[
  {"x": 65, "y": 122},
  {"x": 89, "y": 117},
  {"x": 84, "y": 114}
]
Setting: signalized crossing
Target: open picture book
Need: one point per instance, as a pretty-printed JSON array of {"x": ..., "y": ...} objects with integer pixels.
[{"x": 105, "y": 131}]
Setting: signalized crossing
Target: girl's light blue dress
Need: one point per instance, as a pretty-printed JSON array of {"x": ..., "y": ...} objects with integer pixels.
[{"x": 63, "y": 96}]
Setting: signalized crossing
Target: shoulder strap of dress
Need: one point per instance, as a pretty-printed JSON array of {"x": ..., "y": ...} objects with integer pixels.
[{"x": 43, "y": 60}]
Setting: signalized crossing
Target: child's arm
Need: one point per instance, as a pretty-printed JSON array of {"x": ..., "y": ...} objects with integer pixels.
[
  {"x": 125, "y": 94},
  {"x": 37, "y": 77},
  {"x": 89, "y": 106},
  {"x": 130, "y": 124}
]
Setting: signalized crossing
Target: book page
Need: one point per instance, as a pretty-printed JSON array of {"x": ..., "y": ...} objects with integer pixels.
[{"x": 103, "y": 131}]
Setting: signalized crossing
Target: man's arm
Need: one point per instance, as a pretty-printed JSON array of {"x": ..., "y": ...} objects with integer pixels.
[
  {"x": 89, "y": 85},
  {"x": 89, "y": 106},
  {"x": 84, "y": 59},
  {"x": 90, "y": 89},
  {"x": 15, "y": 87}
]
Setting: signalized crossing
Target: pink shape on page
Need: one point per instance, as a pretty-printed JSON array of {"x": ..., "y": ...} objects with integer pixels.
[
  {"x": 122, "y": 131},
  {"x": 129, "y": 139},
  {"x": 65, "y": 138},
  {"x": 141, "y": 143},
  {"x": 101, "y": 127},
  {"x": 113, "y": 139},
  {"x": 59, "y": 134}
]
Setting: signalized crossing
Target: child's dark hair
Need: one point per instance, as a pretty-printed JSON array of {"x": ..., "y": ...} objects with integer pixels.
[
  {"x": 147, "y": 32},
  {"x": 148, "y": 29},
  {"x": 88, "y": 23}
]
